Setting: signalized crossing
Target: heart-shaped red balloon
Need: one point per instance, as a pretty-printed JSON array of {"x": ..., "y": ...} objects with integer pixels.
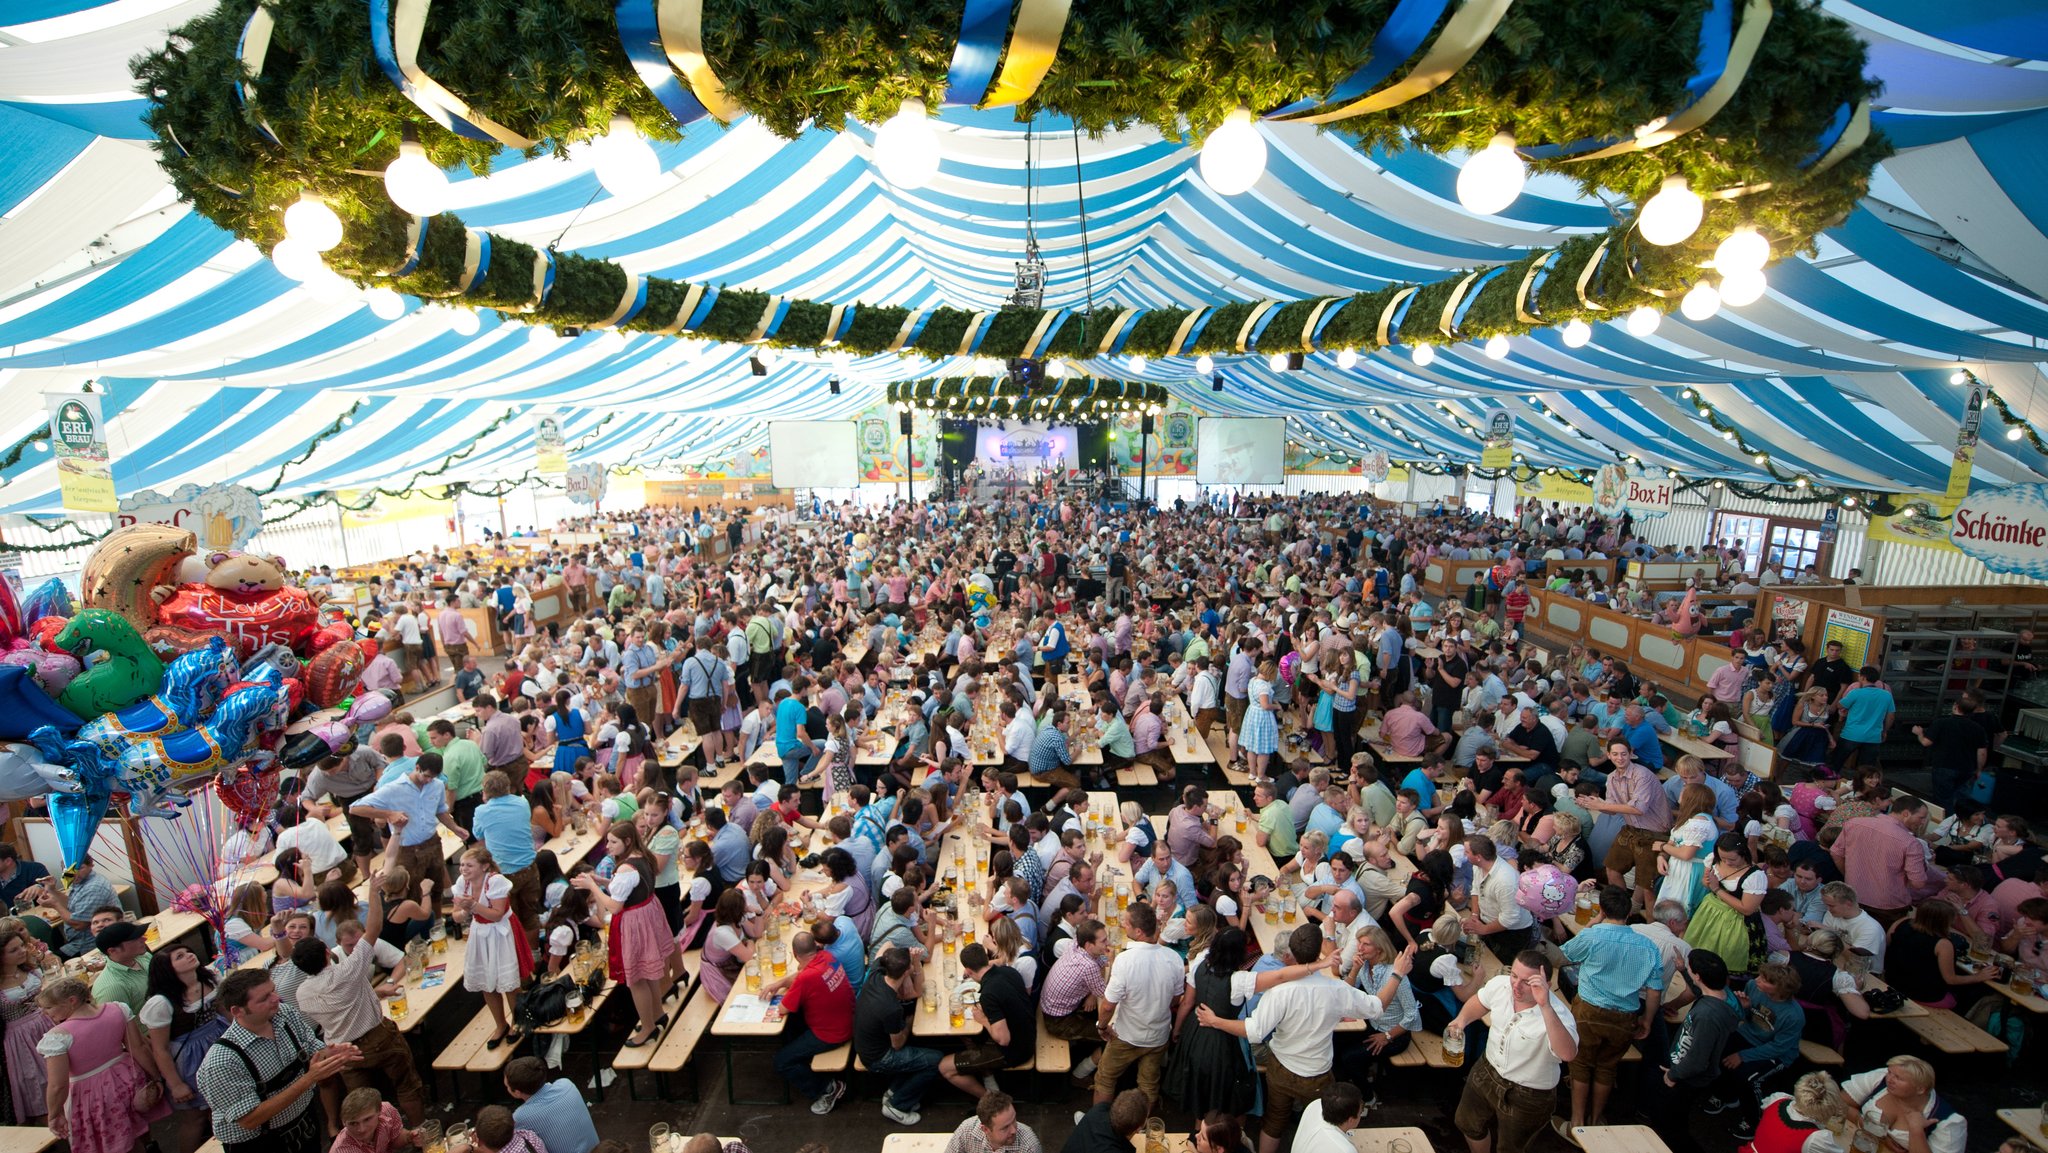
[{"x": 248, "y": 793}]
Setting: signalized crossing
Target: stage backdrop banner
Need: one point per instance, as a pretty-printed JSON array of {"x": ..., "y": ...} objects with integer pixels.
[
  {"x": 1025, "y": 447},
  {"x": 813, "y": 454},
  {"x": 223, "y": 516},
  {"x": 1241, "y": 451},
  {"x": 85, "y": 470}
]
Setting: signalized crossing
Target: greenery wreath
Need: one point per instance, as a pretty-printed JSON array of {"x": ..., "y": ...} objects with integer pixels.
[{"x": 319, "y": 117}]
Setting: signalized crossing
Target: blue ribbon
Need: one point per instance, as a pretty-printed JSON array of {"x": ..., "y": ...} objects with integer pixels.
[
  {"x": 1836, "y": 127},
  {"x": 845, "y": 324},
  {"x": 774, "y": 322},
  {"x": 1399, "y": 38},
  {"x": 386, "y": 53},
  {"x": 1400, "y": 315},
  {"x": 1472, "y": 294},
  {"x": 547, "y": 281},
  {"x": 1195, "y": 331},
  {"x": 924, "y": 317},
  {"x": 640, "y": 36},
  {"x": 1052, "y": 332},
  {"x": 1117, "y": 345},
  {"x": 982, "y": 27},
  {"x": 1717, "y": 32},
  {"x": 1536, "y": 281},
  {"x": 639, "y": 295},
  {"x": 1315, "y": 338},
  {"x": 419, "y": 247},
  {"x": 980, "y": 332},
  {"x": 702, "y": 310},
  {"x": 483, "y": 264},
  {"x": 1259, "y": 329}
]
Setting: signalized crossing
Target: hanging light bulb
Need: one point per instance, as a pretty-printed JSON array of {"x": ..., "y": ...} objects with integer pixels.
[
  {"x": 1643, "y": 321},
  {"x": 1234, "y": 156},
  {"x": 1347, "y": 358},
  {"x": 1205, "y": 364},
  {"x": 1277, "y": 362},
  {"x": 1138, "y": 364},
  {"x": 1701, "y": 302},
  {"x": 1497, "y": 347},
  {"x": 1671, "y": 215},
  {"x": 609, "y": 340},
  {"x": 542, "y": 335},
  {"x": 310, "y": 220},
  {"x": 1492, "y": 177},
  {"x": 906, "y": 147},
  {"x": 413, "y": 182},
  {"x": 1576, "y": 333},
  {"x": 385, "y": 303},
  {"x": 1740, "y": 288},
  {"x": 2014, "y": 433},
  {"x": 1743, "y": 250},
  {"x": 625, "y": 163},
  {"x": 329, "y": 287},
  {"x": 296, "y": 260},
  {"x": 465, "y": 322},
  {"x": 1423, "y": 354},
  {"x": 1959, "y": 376}
]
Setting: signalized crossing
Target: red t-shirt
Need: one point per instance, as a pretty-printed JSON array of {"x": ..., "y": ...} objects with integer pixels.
[
  {"x": 1517, "y": 603},
  {"x": 825, "y": 997}
]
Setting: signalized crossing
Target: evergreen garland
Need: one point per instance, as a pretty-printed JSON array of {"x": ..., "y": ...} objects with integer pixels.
[{"x": 1553, "y": 70}]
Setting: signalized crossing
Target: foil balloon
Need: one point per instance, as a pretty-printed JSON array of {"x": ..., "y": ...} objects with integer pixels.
[
  {"x": 25, "y": 707},
  {"x": 153, "y": 768},
  {"x": 119, "y": 668},
  {"x": 50, "y": 599},
  {"x": 11, "y": 619},
  {"x": 76, "y": 818},
  {"x": 192, "y": 685},
  {"x": 323, "y": 740},
  {"x": 277, "y": 657},
  {"x": 245, "y": 595},
  {"x": 168, "y": 641},
  {"x": 371, "y": 707},
  {"x": 1546, "y": 891},
  {"x": 334, "y": 674},
  {"x": 251, "y": 792},
  {"x": 24, "y": 772},
  {"x": 51, "y": 671},
  {"x": 129, "y": 565},
  {"x": 43, "y": 631}
]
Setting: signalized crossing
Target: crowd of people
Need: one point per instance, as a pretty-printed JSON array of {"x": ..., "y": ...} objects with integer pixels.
[{"x": 1413, "y": 761}]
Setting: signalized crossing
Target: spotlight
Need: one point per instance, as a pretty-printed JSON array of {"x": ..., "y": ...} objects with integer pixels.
[
  {"x": 1959, "y": 376},
  {"x": 1216, "y": 383},
  {"x": 833, "y": 384},
  {"x": 1294, "y": 361},
  {"x": 760, "y": 369}
]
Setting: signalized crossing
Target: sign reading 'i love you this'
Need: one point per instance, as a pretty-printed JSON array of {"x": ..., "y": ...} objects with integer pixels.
[{"x": 2006, "y": 528}]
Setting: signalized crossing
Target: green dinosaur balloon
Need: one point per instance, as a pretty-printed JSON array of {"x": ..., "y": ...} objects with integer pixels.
[{"x": 120, "y": 669}]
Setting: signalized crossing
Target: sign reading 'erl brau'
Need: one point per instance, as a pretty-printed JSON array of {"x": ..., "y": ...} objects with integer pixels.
[{"x": 2006, "y": 528}]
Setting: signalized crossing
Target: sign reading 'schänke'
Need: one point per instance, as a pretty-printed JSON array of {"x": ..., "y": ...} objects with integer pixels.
[{"x": 2006, "y": 528}]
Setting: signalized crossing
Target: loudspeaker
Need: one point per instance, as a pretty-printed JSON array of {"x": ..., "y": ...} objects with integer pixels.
[
  {"x": 1092, "y": 449},
  {"x": 1145, "y": 424},
  {"x": 903, "y": 424}
]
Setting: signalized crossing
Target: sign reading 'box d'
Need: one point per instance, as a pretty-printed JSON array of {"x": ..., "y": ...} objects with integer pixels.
[{"x": 2006, "y": 528}]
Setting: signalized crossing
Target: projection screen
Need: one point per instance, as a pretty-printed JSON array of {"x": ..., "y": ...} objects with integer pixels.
[
  {"x": 813, "y": 454},
  {"x": 1241, "y": 451}
]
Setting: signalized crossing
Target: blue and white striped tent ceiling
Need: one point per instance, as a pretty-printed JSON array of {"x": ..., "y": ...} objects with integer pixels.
[{"x": 215, "y": 367}]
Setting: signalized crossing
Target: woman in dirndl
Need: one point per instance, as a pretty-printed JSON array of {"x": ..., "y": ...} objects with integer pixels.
[
  {"x": 1259, "y": 735},
  {"x": 496, "y": 956},
  {"x": 641, "y": 940},
  {"x": 183, "y": 1024},
  {"x": 1728, "y": 919}
]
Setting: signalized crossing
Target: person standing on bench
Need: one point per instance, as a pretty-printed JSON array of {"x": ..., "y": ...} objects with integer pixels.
[
  {"x": 819, "y": 1003},
  {"x": 338, "y": 996}
]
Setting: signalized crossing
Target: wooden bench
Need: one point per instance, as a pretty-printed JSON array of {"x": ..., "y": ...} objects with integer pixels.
[
  {"x": 467, "y": 1052},
  {"x": 833, "y": 1060},
  {"x": 1815, "y": 1053},
  {"x": 1952, "y": 1034},
  {"x": 676, "y": 1049},
  {"x": 630, "y": 1059},
  {"x": 1054, "y": 1055},
  {"x": 1138, "y": 775}
]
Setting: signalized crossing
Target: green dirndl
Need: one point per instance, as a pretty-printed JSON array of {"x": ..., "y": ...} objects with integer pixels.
[{"x": 1718, "y": 927}]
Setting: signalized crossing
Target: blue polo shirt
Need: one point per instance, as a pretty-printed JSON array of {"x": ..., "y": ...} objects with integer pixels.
[
  {"x": 1865, "y": 708},
  {"x": 789, "y": 726},
  {"x": 1642, "y": 741},
  {"x": 1616, "y": 964},
  {"x": 505, "y": 826},
  {"x": 421, "y": 804}
]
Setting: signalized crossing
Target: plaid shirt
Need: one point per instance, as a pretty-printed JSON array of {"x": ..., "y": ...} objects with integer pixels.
[{"x": 1073, "y": 979}]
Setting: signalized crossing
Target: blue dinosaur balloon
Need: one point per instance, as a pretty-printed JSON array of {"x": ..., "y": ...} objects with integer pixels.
[
  {"x": 50, "y": 599},
  {"x": 192, "y": 685}
]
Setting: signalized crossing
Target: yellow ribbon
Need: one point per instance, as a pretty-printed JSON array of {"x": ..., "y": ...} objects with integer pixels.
[
  {"x": 1586, "y": 277},
  {"x": 1522, "y": 293},
  {"x": 1386, "y": 333},
  {"x": 1308, "y": 331},
  {"x": 1851, "y": 139},
  {"x": 1467, "y": 29},
  {"x": 1045, "y": 319},
  {"x": 1244, "y": 334},
  {"x": 1180, "y": 337},
  {"x": 1034, "y": 41},
  {"x": 1124, "y": 320},
  {"x": 408, "y": 26},
  {"x": 682, "y": 38},
  {"x": 832, "y": 325},
  {"x": 903, "y": 334},
  {"x": 690, "y": 300},
  {"x": 1451, "y": 305},
  {"x": 1749, "y": 36},
  {"x": 767, "y": 318},
  {"x": 967, "y": 338},
  {"x": 625, "y": 302}
]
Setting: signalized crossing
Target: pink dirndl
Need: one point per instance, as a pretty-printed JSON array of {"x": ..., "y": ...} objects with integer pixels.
[
  {"x": 641, "y": 943},
  {"x": 103, "y": 1083}
]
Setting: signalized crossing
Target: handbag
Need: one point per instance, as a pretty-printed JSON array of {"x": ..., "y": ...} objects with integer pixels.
[{"x": 148, "y": 1096}]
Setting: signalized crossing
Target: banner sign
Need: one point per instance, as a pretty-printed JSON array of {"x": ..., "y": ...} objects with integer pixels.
[
  {"x": 1616, "y": 490},
  {"x": 585, "y": 483},
  {"x": 1499, "y": 451},
  {"x": 1852, "y": 630},
  {"x": 551, "y": 453},
  {"x": 1376, "y": 467},
  {"x": 223, "y": 516},
  {"x": 2006, "y": 528},
  {"x": 1610, "y": 490},
  {"x": 1966, "y": 449},
  {"x": 78, "y": 438},
  {"x": 1919, "y": 521},
  {"x": 1561, "y": 489}
]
